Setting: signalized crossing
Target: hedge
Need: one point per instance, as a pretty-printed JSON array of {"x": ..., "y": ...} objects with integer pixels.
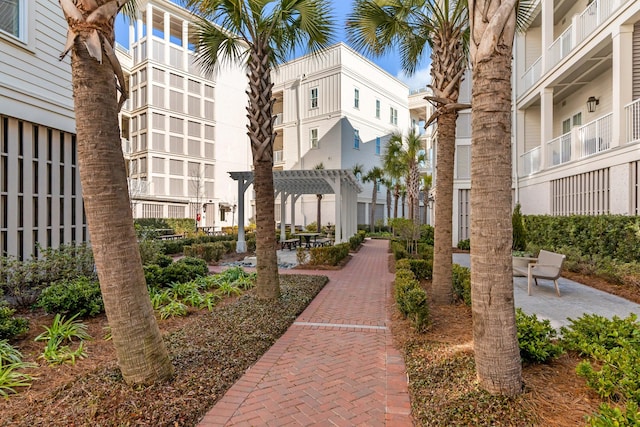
[{"x": 328, "y": 255}]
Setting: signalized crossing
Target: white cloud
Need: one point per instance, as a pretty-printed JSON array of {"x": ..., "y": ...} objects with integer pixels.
[{"x": 418, "y": 80}]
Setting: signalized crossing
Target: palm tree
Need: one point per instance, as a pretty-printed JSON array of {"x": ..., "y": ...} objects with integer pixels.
[
  {"x": 410, "y": 26},
  {"x": 498, "y": 366},
  {"x": 142, "y": 355},
  {"x": 319, "y": 166},
  {"x": 395, "y": 170},
  {"x": 426, "y": 183},
  {"x": 374, "y": 176},
  {"x": 403, "y": 156},
  {"x": 388, "y": 183},
  {"x": 260, "y": 34}
]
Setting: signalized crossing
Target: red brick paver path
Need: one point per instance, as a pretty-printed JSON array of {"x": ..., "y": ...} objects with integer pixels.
[{"x": 335, "y": 366}]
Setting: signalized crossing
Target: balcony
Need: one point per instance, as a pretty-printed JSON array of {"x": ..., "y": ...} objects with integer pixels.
[
  {"x": 531, "y": 76},
  {"x": 632, "y": 112},
  {"x": 560, "y": 48},
  {"x": 559, "y": 150},
  {"x": 138, "y": 187},
  {"x": 531, "y": 161},
  {"x": 594, "y": 137}
]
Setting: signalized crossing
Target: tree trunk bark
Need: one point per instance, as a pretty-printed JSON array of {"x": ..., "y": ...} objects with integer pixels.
[
  {"x": 442, "y": 284},
  {"x": 374, "y": 198},
  {"x": 141, "y": 353},
  {"x": 261, "y": 136},
  {"x": 494, "y": 328}
]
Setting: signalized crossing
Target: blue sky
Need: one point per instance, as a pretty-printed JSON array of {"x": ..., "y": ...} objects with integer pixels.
[{"x": 341, "y": 9}]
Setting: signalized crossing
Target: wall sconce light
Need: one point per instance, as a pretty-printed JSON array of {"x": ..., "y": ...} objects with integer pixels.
[{"x": 591, "y": 104}]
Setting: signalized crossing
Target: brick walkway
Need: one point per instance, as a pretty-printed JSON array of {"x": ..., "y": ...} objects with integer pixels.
[{"x": 336, "y": 365}]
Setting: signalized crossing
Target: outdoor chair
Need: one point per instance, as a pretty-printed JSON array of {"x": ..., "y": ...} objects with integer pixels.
[{"x": 547, "y": 266}]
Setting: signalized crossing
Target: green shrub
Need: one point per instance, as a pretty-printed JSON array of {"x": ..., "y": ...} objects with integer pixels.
[
  {"x": 426, "y": 234},
  {"x": 519, "y": 233},
  {"x": 11, "y": 326},
  {"x": 328, "y": 255},
  {"x": 425, "y": 251},
  {"x": 464, "y": 245},
  {"x": 154, "y": 275},
  {"x": 611, "y": 416},
  {"x": 10, "y": 362},
  {"x": 80, "y": 296},
  {"x": 461, "y": 283},
  {"x": 592, "y": 334},
  {"x": 150, "y": 250},
  {"x": 405, "y": 274},
  {"x": 185, "y": 270},
  {"x": 417, "y": 307},
  {"x": 422, "y": 268},
  {"x": 401, "y": 286},
  {"x": 209, "y": 252},
  {"x": 399, "y": 250},
  {"x": 403, "y": 264},
  {"x": 163, "y": 260},
  {"x": 536, "y": 338}
]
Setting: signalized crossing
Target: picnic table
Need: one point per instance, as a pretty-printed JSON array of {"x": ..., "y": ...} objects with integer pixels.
[{"x": 307, "y": 238}]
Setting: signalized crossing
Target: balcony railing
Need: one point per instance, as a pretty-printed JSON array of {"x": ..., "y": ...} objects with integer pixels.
[
  {"x": 594, "y": 137},
  {"x": 560, "y": 48},
  {"x": 278, "y": 157},
  {"x": 633, "y": 121},
  {"x": 531, "y": 76},
  {"x": 138, "y": 187},
  {"x": 559, "y": 150},
  {"x": 531, "y": 161}
]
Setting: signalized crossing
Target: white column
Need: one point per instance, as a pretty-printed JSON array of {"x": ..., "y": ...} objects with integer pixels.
[
  {"x": 294, "y": 197},
  {"x": 338, "y": 212},
  {"x": 166, "y": 46},
  {"x": 622, "y": 81},
  {"x": 546, "y": 124},
  {"x": 283, "y": 215},
  {"x": 547, "y": 33},
  {"x": 185, "y": 46}
]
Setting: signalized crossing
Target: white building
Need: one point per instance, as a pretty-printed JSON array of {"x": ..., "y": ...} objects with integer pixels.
[
  {"x": 40, "y": 193},
  {"x": 337, "y": 109},
  {"x": 577, "y": 109},
  {"x": 183, "y": 130}
]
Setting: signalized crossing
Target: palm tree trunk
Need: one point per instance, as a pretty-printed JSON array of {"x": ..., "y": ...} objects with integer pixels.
[
  {"x": 494, "y": 328},
  {"x": 442, "y": 285},
  {"x": 141, "y": 353},
  {"x": 396, "y": 199},
  {"x": 374, "y": 198},
  {"x": 388, "y": 204},
  {"x": 261, "y": 137},
  {"x": 414, "y": 191}
]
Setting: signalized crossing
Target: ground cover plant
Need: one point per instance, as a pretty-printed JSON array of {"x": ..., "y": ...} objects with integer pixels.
[{"x": 210, "y": 350}]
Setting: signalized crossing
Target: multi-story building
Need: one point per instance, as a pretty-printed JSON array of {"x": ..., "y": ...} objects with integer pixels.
[
  {"x": 183, "y": 129},
  {"x": 577, "y": 108},
  {"x": 40, "y": 193},
  {"x": 337, "y": 109}
]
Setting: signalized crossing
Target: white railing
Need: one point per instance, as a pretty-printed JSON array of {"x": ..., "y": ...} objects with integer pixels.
[
  {"x": 633, "y": 121},
  {"x": 559, "y": 150},
  {"x": 127, "y": 149},
  {"x": 594, "y": 137},
  {"x": 278, "y": 156},
  {"x": 531, "y": 76},
  {"x": 560, "y": 48},
  {"x": 531, "y": 161},
  {"x": 278, "y": 119}
]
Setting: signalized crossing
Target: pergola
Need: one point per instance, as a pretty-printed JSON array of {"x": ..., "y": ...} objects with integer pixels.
[{"x": 294, "y": 183}]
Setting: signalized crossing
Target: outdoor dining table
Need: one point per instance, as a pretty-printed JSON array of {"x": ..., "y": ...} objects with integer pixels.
[{"x": 307, "y": 238}]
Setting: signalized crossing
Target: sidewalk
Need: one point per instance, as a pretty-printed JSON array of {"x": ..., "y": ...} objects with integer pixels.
[
  {"x": 336, "y": 365},
  {"x": 577, "y": 299}
]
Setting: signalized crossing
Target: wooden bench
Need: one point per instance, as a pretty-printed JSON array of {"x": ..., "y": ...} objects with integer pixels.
[
  {"x": 171, "y": 237},
  {"x": 290, "y": 243},
  {"x": 547, "y": 266}
]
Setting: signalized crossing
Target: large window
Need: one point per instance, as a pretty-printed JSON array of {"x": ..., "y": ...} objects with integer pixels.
[
  {"x": 393, "y": 116},
  {"x": 314, "y": 97},
  {"x": 11, "y": 12},
  {"x": 314, "y": 138},
  {"x": 377, "y": 145},
  {"x": 356, "y": 139}
]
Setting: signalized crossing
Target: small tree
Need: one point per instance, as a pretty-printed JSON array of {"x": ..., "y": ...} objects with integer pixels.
[{"x": 519, "y": 232}]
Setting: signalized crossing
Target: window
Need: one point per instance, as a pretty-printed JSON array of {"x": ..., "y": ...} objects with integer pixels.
[
  {"x": 377, "y": 108},
  {"x": 377, "y": 145},
  {"x": 356, "y": 98},
  {"x": 393, "y": 116},
  {"x": 314, "y": 138},
  {"x": 11, "y": 14},
  {"x": 356, "y": 139},
  {"x": 314, "y": 97},
  {"x": 577, "y": 119},
  {"x": 566, "y": 126}
]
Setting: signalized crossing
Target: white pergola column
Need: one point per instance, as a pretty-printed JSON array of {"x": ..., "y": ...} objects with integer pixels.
[
  {"x": 243, "y": 184},
  {"x": 294, "y": 197},
  {"x": 283, "y": 215},
  {"x": 338, "y": 211}
]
